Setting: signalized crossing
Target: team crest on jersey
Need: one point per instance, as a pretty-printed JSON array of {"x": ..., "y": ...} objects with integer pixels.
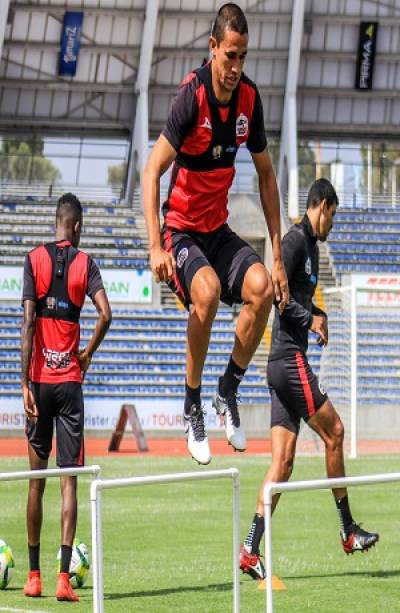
[
  {"x": 308, "y": 266},
  {"x": 182, "y": 257},
  {"x": 217, "y": 152},
  {"x": 242, "y": 125},
  {"x": 51, "y": 303},
  {"x": 206, "y": 124}
]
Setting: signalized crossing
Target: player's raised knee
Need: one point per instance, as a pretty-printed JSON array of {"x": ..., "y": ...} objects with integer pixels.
[
  {"x": 206, "y": 290},
  {"x": 257, "y": 287}
]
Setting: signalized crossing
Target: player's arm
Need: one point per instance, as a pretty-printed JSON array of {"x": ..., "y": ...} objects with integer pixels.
[
  {"x": 181, "y": 120},
  {"x": 269, "y": 196},
  {"x": 162, "y": 263},
  {"x": 27, "y": 332},
  {"x": 292, "y": 254},
  {"x": 320, "y": 325},
  {"x": 104, "y": 318}
]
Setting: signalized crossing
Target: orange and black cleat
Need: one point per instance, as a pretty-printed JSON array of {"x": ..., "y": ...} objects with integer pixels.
[
  {"x": 33, "y": 585},
  {"x": 64, "y": 590}
]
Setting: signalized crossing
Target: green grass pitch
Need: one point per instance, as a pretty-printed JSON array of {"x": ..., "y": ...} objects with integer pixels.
[{"x": 167, "y": 548}]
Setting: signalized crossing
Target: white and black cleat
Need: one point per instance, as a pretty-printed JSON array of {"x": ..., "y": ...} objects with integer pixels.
[
  {"x": 228, "y": 407},
  {"x": 197, "y": 440}
]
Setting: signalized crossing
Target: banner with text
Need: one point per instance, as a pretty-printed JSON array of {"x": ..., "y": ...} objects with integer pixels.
[
  {"x": 366, "y": 54},
  {"x": 103, "y": 414},
  {"x": 376, "y": 289},
  {"x": 127, "y": 286},
  {"x": 70, "y": 43}
]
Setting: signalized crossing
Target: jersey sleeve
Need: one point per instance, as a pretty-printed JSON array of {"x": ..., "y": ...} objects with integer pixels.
[
  {"x": 29, "y": 286},
  {"x": 95, "y": 282},
  {"x": 183, "y": 115},
  {"x": 257, "y": 140}
]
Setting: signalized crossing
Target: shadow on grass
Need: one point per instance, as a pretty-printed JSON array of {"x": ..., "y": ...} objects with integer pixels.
[
  {"x": 378, "y": 574},
  {"x": 214, "y": 587}
]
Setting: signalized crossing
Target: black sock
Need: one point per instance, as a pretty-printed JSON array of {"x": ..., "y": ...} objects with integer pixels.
[
  {"x": 231, "y": 379},
  {"x": 255, "y": 534},
  {"x": 66, "y": 554},
  {"x": 192, "y": 397},
  {"x": 345, "y": 517},
  {"x": 34, "y": 556}
]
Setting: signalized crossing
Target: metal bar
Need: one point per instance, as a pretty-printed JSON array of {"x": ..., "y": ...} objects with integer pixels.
[
  {"x": 97, "y": 550},
  {"x": 50, "y": 472},
  {"x": 301, "y": 486}
]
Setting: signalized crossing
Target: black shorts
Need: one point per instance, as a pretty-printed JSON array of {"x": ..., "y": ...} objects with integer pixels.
[
  {"x": 223, "y": 250},
  {"x": 295, "y": 391},
  {"x": 61, "y": 403}
]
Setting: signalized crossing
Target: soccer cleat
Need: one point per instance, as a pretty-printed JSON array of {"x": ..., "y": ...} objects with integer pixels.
[
  {"x": 33, "y": 585},
  {"x": 64, "y": 590},
  {"x": 357, "y": 539},
  {"x": 196, "y": 435},
  {"x": 250, "y": 563},
  {"x": 228, "y": 407}
]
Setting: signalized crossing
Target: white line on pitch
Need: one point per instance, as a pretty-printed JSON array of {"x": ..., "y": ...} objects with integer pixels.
[{"x": 12, "y": 610}]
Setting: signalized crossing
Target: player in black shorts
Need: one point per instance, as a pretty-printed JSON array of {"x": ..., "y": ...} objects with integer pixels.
[
  {"x": 295, "y": 391},
  {"x": 57, "y": 278},
  {"x": 217, "y": 109}
]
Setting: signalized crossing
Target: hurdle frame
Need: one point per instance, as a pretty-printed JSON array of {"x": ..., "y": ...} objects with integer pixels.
[
  {"x": 46, "y": 473},
  {"x": 99, "y": 485},
  {"x": 299, "y": 486}
]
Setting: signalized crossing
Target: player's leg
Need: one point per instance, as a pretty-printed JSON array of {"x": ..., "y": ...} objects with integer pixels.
[
  {"x": 284, "y": 432},
  {"x": 244, "y": 279},
  {"x": 39, "y": 435},
  {"x": 328, "y": 425},
  {"x": 198, "y": 288},
  {"x": 70, "y": 453}
]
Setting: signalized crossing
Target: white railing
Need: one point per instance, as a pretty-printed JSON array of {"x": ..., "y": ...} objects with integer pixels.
[
  {"x": 97, "y": 546},
  {"x": 300, "y": 486}
]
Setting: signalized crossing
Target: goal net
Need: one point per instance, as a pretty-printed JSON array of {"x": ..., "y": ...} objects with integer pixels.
[{"x": 360, "y": 367}]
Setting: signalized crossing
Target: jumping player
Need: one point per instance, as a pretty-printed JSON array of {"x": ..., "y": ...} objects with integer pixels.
[
  {"x": 295, "y": 391},
  {"x": 216, "y": 110},
  {"x": 57, "y": 277}
]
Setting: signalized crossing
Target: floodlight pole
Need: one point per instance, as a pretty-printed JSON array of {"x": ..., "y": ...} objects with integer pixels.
[{"x": 140, "y": 133}]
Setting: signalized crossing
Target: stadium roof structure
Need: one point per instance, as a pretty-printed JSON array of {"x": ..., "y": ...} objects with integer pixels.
[{"x": 134, "y": 54}]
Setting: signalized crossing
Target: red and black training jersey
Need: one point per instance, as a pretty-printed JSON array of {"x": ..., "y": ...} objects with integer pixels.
[
  {"x": 59, "y": 299},
  {"x": 206, "y": 135}
]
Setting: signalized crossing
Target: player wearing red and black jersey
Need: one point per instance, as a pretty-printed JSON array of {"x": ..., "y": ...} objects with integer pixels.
[
  {"x": 217, "y": 109},
  {"x": 295, "y": 391},
  {"x": 57, "y": 278}
]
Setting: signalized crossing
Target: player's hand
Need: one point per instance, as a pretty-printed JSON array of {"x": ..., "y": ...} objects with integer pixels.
[
  {"x": 84, "y": 361},
  {"x": 280, "y": 284},
  {"x": 30, "y": 408},
  {"x": 162, "y": 264},
  {"x": 320, "y": 327}
]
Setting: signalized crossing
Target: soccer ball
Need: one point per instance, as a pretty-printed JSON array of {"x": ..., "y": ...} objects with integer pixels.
[
  {"x": 80, "y": 564},
  {"x": 6, "y": 564}
]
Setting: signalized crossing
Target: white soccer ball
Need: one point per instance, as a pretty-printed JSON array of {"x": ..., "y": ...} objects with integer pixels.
[
  {"x": 80, "y": 564},
  {"x": 6, "y": 564}
]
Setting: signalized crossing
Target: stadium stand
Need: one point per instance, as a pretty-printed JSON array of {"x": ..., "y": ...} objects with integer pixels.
[
  {"x": 366, "y": 241},
  {"x": 143, "y": 355}
]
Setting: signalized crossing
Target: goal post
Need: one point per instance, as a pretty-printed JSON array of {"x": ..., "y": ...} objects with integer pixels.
[{"x": 360, "y": 367}]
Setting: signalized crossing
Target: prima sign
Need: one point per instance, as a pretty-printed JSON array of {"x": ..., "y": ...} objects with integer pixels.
[{"x": 366, "y": 54}]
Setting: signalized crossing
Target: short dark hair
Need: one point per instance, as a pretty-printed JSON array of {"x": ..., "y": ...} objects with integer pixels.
[
  {"x": 68, "y": 206},
  {"x": 229, "y": 17},
  {"x": 322, "y": 189}
]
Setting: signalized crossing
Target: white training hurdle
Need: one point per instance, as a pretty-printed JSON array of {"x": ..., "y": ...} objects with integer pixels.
[
  {"x": 97, "y": 548},
  {"x": 51, "y": 472},
  {"x": 296, "y": 486}
]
